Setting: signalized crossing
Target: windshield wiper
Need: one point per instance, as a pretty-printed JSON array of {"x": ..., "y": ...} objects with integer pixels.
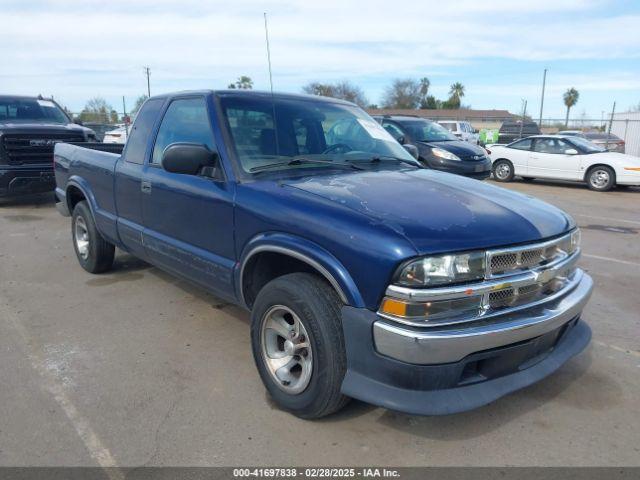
[
  {"x": 379, "y": 158},
  {"x": 303, "y": 161}
]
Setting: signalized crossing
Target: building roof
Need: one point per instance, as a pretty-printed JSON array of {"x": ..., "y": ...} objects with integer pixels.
[{"x": 457, "y": 114}]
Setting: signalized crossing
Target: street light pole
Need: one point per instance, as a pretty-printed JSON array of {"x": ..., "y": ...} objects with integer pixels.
[{"x": 544, "y": 81}]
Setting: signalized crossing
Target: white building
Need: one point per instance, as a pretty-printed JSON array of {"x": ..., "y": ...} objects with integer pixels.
[{"x": 626, "y": 125}]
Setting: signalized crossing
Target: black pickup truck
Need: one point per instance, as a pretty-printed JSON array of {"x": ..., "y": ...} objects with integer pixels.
[{"x": 29, "y": 129}]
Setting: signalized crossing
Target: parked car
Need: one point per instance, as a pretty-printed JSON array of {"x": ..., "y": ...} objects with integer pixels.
[
  {"x": 367, "y": 275},
  {"x": 119, "y": 135},
  {"x": 462, "y": 130},
  {"x": 514, "y": 130},
  {"x": 29, "y": 128},
  {"x": 609, "y": 141},
  {"x": 437, "y": 147},
  {"x": 564, "y": 158},
  {"x": 100, "y": 129}
]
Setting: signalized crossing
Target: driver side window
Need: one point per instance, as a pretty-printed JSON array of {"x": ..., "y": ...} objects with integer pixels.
[{"x": 185, "y": 120}]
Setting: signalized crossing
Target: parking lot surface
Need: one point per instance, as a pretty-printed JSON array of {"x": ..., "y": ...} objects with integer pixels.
[{"x": 136, "y": 367}]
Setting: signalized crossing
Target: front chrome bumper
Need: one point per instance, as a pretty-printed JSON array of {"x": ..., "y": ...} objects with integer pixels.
[{"x": 451, "y": 343}]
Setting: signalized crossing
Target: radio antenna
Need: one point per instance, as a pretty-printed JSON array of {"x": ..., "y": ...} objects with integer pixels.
[{"x": 273, "y": 102}]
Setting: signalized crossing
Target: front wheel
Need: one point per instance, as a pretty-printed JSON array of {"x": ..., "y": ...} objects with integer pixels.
[
  {"x": 94, "y": 253},
  {"x": 503, "y": 171},
  {"x": 298, "y": 345},
  {"x": 601, "y": 178}
]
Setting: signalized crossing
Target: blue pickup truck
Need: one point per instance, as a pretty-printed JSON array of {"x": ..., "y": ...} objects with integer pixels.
[{"x": 368, "y": 276}]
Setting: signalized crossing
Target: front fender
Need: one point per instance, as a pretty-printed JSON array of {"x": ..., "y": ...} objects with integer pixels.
[{"x": 307, "y": 251}]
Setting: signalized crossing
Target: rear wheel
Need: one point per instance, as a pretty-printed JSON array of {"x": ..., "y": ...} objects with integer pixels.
[
  {"x": 94, "y": 253},
  {"x": 601, "y": 178},
  {"x": 503, "y": 171},
  {"x": 298, "y": 346}
]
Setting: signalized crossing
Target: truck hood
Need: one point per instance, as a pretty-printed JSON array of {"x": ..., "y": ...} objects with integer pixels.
[
  {"x": 37, "y": 127},
  {"x": 439, "y": 212}
]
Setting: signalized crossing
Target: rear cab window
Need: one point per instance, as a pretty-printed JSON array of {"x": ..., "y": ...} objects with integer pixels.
[{"x": 138, "y": 140}]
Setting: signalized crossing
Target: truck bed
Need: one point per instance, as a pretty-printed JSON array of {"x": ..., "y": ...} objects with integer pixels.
[{"x": 90, "y": 165}]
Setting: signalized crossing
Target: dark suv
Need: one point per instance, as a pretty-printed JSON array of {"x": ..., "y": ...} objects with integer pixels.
[
  {"x": 437, "y": 147},
  {"x": 29, "y": 129}
]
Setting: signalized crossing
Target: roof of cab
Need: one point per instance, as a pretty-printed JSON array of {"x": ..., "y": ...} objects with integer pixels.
[{"x": 255, "y": 94}]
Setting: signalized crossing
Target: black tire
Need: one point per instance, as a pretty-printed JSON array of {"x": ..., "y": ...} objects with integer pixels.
[
  {"x": 601, "y": 178},
  {"x": 503, "y": 171},
  {"x": 98, "y": 255},
  {"x": 528, "y": 179},
  {"x": 317, "y": 307}
]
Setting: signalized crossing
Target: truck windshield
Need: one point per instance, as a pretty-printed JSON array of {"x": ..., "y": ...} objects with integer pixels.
[
  {"x": 14, "y": 109},
  {"x": 425, "y": 131},
  {"x": 305, "y": 134}
]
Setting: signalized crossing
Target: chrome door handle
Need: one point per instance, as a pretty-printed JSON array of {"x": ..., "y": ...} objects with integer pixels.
[{"x": 145, "y": 187}]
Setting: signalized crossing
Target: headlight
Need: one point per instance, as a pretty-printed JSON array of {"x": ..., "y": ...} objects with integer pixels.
[
  {"x": 442, "y": 270},
  {"x": 439, "y": 152}
]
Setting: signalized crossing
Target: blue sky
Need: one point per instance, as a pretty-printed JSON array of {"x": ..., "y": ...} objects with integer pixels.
[{"x": 497, "y": 49}]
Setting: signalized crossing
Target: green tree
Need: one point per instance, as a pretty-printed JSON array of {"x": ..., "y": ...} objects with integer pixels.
[
  {"x": 456, "y": 92},
  {"x": 403, "y": 93},
  {"x": 570, "y": 98},
  {"x": 432, "y": 103},
  {"x": 96, "y": 110},
  {"x": 243, "y": 83}
]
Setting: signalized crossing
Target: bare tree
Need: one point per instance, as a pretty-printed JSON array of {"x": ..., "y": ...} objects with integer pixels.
[
  {"x": 402, "y": 93},
  {"x": 96, "y": 110},
  {"x": 344, "y": 90}
]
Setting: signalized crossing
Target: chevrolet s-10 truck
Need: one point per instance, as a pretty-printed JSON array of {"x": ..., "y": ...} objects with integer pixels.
[{"x": 368, "y": 276}]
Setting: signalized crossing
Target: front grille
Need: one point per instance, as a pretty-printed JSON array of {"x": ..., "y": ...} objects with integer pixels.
[
  {"x": 512, "y": 260},
  {"x": 24, "y": 149},
  {"x": 513, "y": 297}
]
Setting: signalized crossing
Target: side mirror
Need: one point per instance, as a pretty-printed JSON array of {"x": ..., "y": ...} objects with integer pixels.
[
  {"x": 412, "y": 149},
  {"x": 571, "y": 151},
  {"x": 400, "y": 139},
  {"x": 189, "y": 159},
  {"x": 77, "y": 121}
]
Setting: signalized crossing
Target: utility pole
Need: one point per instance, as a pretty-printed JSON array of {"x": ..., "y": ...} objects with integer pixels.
[
  {"x": 613, "y": 111},
  {"x": 147, "y": 72},
  {"x": 544, "y": 81},
  {"x": 124, "y": 116}
]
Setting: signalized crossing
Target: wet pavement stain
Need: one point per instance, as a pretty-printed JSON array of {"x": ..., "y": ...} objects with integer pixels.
[
  {"x": 113, "y": 279},
  {"x": 22, "y": 218},
  {"x": 607, "y": 228}
]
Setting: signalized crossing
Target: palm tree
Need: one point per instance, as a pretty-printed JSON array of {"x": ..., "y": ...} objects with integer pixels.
[
  {"x": 570, "y": 98},
  {"x": 456, "y": 93}
]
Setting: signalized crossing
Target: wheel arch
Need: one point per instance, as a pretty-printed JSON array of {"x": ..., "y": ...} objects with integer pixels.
[
  {"x": 282, "y": 254},
  {"x": 599, "y": 164}
]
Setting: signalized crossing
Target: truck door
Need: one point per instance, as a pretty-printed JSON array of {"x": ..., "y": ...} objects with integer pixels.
[
  {"x": 188, "y": 218},
  {"x": 128, "y": 177}
]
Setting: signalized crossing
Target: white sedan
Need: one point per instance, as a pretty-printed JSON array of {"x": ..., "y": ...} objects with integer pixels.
[
  {"x": 119, "y": 135},
  {"x": 564, "y": 158}
]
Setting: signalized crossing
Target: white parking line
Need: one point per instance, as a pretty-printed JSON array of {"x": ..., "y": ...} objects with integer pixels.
[
  {"x": 609, "y": 259},
  {"x": 607, "y": 218},
  {"x": 619, "y": 349},
  {"x": 56, "y": 388}
]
